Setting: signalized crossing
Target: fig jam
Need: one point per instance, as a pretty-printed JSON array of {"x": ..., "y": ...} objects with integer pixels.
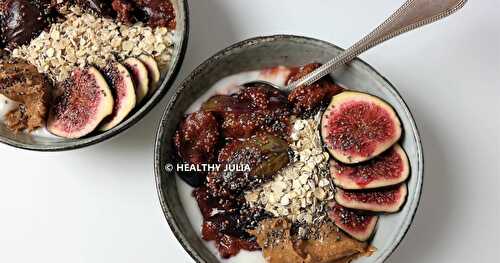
[
  {"x": 197, "y": 138},
  {"x": 225, "y": 221},
  {"x": 158, "y": 13},
  {"x": 246, "y": 129},
  {"x": 20, "y": 22},
  {"x": 307, "y": 100},
  {"x": 154, "y": 13},
  {"x": 267, "y": 110},
  {"x": 99, "y": 7}
]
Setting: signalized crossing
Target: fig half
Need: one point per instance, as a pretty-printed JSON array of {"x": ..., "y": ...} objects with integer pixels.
[
  {"x": 358, "y": 224},
  {"x": 223, "y": 103},
  {"x": 139, "y": 74},
  {"x": 387, "y": 200},
  {"x": 153, "y": 72},
  {"x": 196, "y": 142},
  {"x": 264, "y": 154},
  {"x": 84, "y": 101},
  {"x": 123, "y": 89},
  {"x": 389, "y": 168},
  {"x": 357, "y": 126}
]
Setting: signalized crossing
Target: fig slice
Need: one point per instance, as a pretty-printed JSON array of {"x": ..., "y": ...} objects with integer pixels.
[
  {"x": 357, "y": 126},
  {"x": 265, "y": 154},
  {"x": 224, "y": 103},
  {"x": 122, "y": 87},
  {"x": 389, "y": 168},
  {"x": 84, "y": 100},
  {"x": 387, "y": 200},
  {"x": 140, "y": 77},
  {"x": 153, "y": 71},
  {"x": 358, "y": 224}
]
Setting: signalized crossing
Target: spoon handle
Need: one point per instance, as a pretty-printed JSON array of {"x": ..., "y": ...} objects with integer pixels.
[{"x": 411, "y": 15}]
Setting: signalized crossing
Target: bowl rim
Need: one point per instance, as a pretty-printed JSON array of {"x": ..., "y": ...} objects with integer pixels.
[
  {"x": 160, "y": 92},
  {"x": 167, "y": 210}
]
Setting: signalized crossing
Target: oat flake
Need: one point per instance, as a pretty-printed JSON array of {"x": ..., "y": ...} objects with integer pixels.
[
  {"x": 83, "y": 39},
  {"x": 300, "y": 191}
]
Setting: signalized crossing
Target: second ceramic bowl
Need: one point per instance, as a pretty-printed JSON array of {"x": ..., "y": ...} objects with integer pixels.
[{"x": 180, "y": 208}]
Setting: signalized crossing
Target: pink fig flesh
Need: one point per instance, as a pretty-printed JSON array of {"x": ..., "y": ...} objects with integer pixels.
[
  {"x": 140, "y": 77},
  {"x": 357, "y": 126},
  {"x": 358, "y": 224},
  {"x": 389, "y": 168},
  {"x": 389, "y": 199},
  {"x": 122, "y": 87},
  {"x": 153, "y": 72},
  {"x": 84, "y": 101}
]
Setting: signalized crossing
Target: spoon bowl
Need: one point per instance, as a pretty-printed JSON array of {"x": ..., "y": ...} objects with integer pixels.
[{"x": 180, "y": 208}]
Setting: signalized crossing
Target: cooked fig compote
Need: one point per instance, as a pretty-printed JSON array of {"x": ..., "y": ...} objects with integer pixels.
[
  {"x": 307, "y": 99},
  {"x": 273, "y": 169},
  {"x": 20, "y": 21}
]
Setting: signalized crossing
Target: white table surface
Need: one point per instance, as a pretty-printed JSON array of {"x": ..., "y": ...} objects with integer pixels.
[{"x": 99, "y": 204}]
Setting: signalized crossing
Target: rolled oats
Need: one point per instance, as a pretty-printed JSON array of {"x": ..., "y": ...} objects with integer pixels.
[
  {"x": 83, "y": 39},
  {"x": 301, "y": 190}
]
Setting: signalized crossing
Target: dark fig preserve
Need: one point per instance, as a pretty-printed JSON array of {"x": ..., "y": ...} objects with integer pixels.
[{"x": 251, "y": 128}]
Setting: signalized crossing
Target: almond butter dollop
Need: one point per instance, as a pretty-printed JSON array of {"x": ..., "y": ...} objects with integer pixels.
[{"x": 21, "y": 82}]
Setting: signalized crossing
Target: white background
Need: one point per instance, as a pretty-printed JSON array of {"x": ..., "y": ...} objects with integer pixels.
[{"x": 99, "y": 204}]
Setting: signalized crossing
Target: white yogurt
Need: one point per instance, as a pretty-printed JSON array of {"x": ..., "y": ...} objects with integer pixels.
[
  {"x": 7, "y": 105},
  {"x": 226, "y": 86},
  {"x": 44, "y": 133},
  {"x": 231, "y": 84}
]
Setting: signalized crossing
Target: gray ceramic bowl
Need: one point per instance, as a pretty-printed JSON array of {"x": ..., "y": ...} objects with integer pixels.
[
  {"x": 264, "y": 52},
  {"x": 39, "y": 143}
]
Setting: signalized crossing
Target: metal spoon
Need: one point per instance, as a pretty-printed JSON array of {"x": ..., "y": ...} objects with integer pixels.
[{"x": 411, "y": 15}]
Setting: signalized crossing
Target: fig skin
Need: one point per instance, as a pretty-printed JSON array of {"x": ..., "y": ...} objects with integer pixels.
[
  {"x": 20, "y": 22},
  {"x": 196, "y": 141},
  {"x": 85, "y": 100},
  {"x": 220, "y": 104},
  {"x": 153, "y": 72},
  {"x": 357, "y": 127},
  {"x": 122, "y": 86},
  {"x": 265, "y": 154},
  {"x": 388, "y": 200},
  {"x": 258, "y": 108},
  {"x": 99, "y": 7},
  {"x": 139, "y": 74},
  {"x": 358, "y": 224},
  {"x": 389, "y": 168}
]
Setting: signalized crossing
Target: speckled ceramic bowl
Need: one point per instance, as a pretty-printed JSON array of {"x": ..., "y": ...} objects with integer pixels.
[
  {"x": 258, "y": 53},
  {"x": 43, "y": 143}
]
